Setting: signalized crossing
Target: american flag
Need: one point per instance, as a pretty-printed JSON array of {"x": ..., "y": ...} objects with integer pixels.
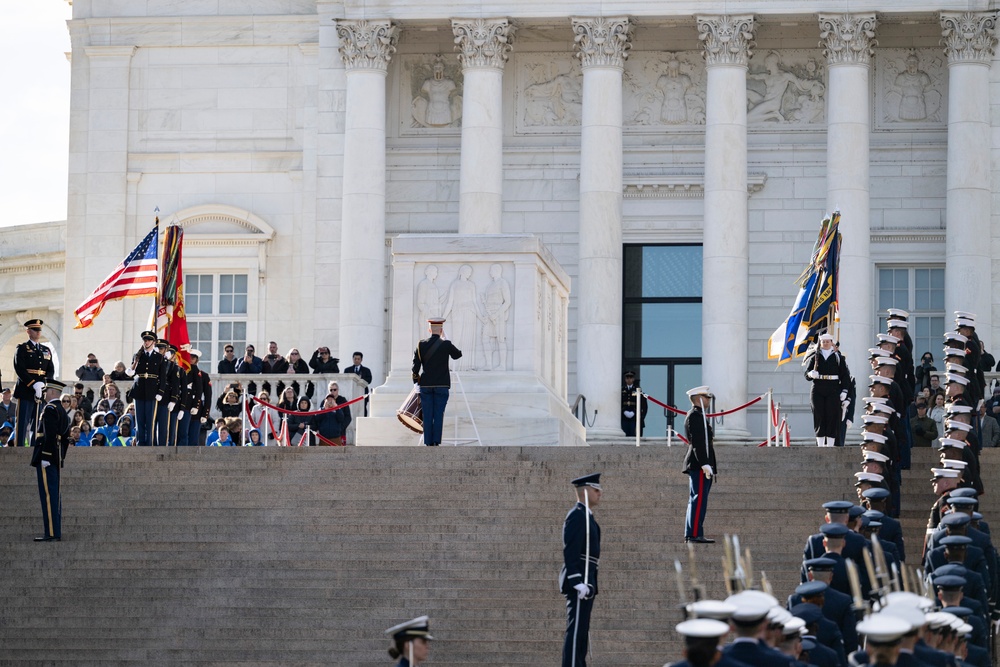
[{"x": 136, "y": 276}]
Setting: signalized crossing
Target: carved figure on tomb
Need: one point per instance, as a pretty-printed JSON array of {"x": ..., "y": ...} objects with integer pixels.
[
  {"x": 496, "y": 305},
  {"x": 767, "y": 106},
  {"x": 429, "y": 295},
  {"x": 463, "y": 316},
  {"x": 438, "y": 103},
  {"x": 554, "y": 100},
  {"x": 673, "y": 85}
]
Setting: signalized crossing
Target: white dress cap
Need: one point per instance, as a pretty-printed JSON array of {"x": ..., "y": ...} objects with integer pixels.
[
  {"x": 716, "y": 609},
  {"x": 896, "y": 324},
  {"x": 869, "y": 477},
  {"x": 876, "y": 456},
  {"x": 883, "y": 628},
  {"x": 898, "y": 313},
  {"x": 704, "y": 628},
  {"x": 907, "y": 610},
  {"x": 699, "y": 391}
]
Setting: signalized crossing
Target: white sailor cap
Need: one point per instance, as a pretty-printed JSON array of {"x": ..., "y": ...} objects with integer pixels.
[
  {"x": 873, "y": 437},
  {"x": 887, "y": 338},
  {"x": 883, "y": 628},
  {"x": 953, "y": 352},
  {"x": 907, "y": 610},
  {"x": 898, "y": 313},
  {"x": 951, "y": 442},
  {"x": 869, "y": 477},
  {"x": 793, "y": 626},
  {"x": 940, "y": 473},
  {"x": 418, "y": 627},
  {"x": 896, "y": 324},
  {"x": 878, "y": 379},
  {"x": 878, "y": 352},
  {"x": 716, "y": 609},
  {"x": 955, "y": 425},
  {"x": 875, "y": 456},
  {"x": 965, "y": 314},
  {"x": 965, "y": 322},
  {"x": 702, "y": 628},
  {"x": 954, "y": 335},
  {"x": 825, "y": 336},
  {"x": 886, "y": 361},
  {"x": 874, "y": 419},
  {"x": 954, "y": 464},
  {"x": 703, "y": 390},
  {"x": 953, "y": 367}
]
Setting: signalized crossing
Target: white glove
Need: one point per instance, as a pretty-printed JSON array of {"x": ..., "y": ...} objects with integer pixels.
[
  {"x": 39, "y": 388},
  {"x": 582, "y": 590},
  {"x": 170, "y": 406},
  {"x": 129, "y": 372},
  {"x": 194, "y": 412},
  {"x": 813, "y": 375},
  {"x": 45, "y": 464},
  {"x": 629, "y": 414},
  {"x": 180, "y": 414},
  {"x": 843, "y": 395},
  {"x": 159, "y": 398},
  {"x": 707, "y": 469},
  {"x": 204, "y": 419}
]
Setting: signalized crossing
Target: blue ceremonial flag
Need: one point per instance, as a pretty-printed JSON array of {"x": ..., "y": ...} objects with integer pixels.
[{"x": 815, "y": 308}]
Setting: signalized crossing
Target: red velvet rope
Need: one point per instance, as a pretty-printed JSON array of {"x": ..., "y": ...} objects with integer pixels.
[
  {"x": 314, "y": 412},
  {"x": 676, "y": 411}
]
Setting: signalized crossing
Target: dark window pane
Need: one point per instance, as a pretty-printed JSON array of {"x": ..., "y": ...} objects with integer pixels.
[
  {"x": 671, "y": 271},
  {"x": 671, "y": 330}
]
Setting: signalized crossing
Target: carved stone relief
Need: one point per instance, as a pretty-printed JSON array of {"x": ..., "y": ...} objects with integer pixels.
[
  {"x": 431, "y": 92},
  {"x": 476, "y": 300},
  {"x": 549, "y": 91},
  {"x": 911, "y": 88},
  {"x": 786, "y": 88},
  {"x": 664, "y": 89}
]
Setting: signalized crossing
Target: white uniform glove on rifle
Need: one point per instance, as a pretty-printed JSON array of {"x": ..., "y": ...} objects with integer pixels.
[
  {"x": 814, "y": 375},
  {"x": 707, "y": 469}
]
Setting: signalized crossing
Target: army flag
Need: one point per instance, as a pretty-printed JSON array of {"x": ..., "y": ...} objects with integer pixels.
[
  {"x": 815, "y": 308},
  {"x": 171, "y": 321},
  {"x": 135, "y": 276}
]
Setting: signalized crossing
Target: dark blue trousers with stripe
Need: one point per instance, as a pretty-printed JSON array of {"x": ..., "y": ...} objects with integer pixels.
[
  {"x": 697, "y": 503},
  {"x": 48, "y": 492}
]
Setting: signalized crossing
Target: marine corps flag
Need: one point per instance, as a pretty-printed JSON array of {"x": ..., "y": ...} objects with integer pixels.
[
  {"x": 171, "y": 322},
  {"x": 815, "y": 308}
]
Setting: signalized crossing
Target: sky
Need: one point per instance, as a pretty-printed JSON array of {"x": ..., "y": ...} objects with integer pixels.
[{"x": 34, "y": 112}]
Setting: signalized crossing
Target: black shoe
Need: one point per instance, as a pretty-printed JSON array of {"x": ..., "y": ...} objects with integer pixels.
[
  {"x": 46, "y": 538},
  {"x": 699, "y": 540},
  {"x": 432, "y": 444}
]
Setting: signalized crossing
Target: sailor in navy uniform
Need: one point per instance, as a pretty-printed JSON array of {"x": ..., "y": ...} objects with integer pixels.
[
  {"x": 699, "y": 464},
  {"x": 701, "y": 644},
  {"x": 578, "y": 578},
  {"x": 410, "y": 642},
  {"x": 827, "y": 370},
  {"x": 146, "y": 388},
  {"x": 33, "y": 366},
  {"x": 49, "y": 451}
]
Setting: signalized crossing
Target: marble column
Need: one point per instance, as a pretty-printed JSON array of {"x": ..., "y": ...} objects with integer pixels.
[
  {"x": 484, "y": 46},
  {"x": 970, "y": 41},
  {"x": 602, "y": 46},
  {"x": 727, "y": 42},
  {"x": 848, "y": 41},
  {"x": 366, "y": 47}
]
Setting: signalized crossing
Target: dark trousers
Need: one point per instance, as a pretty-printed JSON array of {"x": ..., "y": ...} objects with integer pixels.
[
  {"x": 164, "y": 427},
  {"x": 699, "y": 487},
  {"x": 144, "y": 422},
  {"x": 433, "y": 401},
  {"x": 25, "y": 427},
  {"x": 48, "y": 492},
  {"x": 181, "y": 428},
  {"x": 826, "y": 415},
  {"x": 577, "y": 631},
  {"x": 628, "y": 425},
  {"x": 193, "y": 431}
]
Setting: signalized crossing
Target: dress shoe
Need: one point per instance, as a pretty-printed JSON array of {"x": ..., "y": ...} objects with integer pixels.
[
  {"x": 699, "y": 540},
  {"x": 46, "y": 538}
]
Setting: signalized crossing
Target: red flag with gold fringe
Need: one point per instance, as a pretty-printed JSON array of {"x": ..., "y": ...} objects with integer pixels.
[{"x": 171, "y": 321}]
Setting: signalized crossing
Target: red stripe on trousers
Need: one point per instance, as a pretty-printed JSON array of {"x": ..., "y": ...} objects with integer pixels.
[{"x": 697, "y": 508}]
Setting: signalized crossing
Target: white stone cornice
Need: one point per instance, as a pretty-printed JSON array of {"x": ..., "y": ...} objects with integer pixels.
[
  {"x": 483, "y": 43},
  {"x": 727, "y": 39},
  {"x": 602, "y": 42},
  {"x": 683, "y": 186},
  {"x": 848, "y": 38},
  {"x": 109, "y": 51},
  {"x": 367, "y": 45},
  {"x": 969, "y": 37}
]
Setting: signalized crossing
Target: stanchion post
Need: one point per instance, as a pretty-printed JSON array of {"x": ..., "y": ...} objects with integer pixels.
[
  {"x": 243, "y": 419},
  {"x": 770, "y": 415},
  {"x": 638, "y": 415}
]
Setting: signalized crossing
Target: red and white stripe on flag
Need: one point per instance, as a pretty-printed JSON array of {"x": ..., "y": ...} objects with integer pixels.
[{"x": 135, "y": 276}]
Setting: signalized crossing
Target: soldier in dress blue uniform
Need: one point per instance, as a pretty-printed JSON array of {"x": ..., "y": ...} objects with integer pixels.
[
  {"x": 629, "y": 416},
  {"x": 33, "y": 366},
  {"x": 410, "y": 642},
  {"x": 196, "y": 408},
  {"x": 147, "y": 388},
  {"x": 699, "y": 464},
  {"x": 827, "y": 370},
  {"x": 47, "y": 458},
  {"x": 581, "y": 560}
]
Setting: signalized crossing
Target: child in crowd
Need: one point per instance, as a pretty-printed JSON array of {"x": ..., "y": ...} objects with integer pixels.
[
  {"x": 110, "y": 428},
  {"x": 223, "y": 440},
  {"x": 330, "y": 425},
  {"x": 297, "y": 423},
  {"x": 74, "y": 436},
  {"x": 98, "y": 421},
  {"x": 213, "y": 436},
  {"x": 98, "y": 440},
  {"x": 253, "y": 438},
  {"x": 86, "y": 432},
  {"x": 6, "y": 433},
  {"x": 124, "y": 436}
]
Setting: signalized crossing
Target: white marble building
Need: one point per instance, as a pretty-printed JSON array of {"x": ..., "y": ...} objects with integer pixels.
[{"x": 675, "y": 157}]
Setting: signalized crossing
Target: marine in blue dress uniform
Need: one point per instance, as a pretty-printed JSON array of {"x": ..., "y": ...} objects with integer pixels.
[
  {"x": 699, "y": 464},
  {"x": 410, "y": 642},
  {"x": 435, "y": 381},
  {"x": 47, "y": 458},
  {"x": 146, "y": 388},
  {"x": 581, "y": 560},
  {"x": 33, "y": 366}
]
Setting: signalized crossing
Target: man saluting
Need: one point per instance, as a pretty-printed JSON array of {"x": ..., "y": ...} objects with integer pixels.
[
  {"x": 578, "y": 578},
  {"x": 699, "y": 464}
]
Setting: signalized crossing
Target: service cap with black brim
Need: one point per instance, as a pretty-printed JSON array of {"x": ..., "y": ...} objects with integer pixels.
[
  {"x": 34, "y": 325},
  {"x": 834, "y": 530},
  {"x": 838, "y": 506},
  {"x": 418, "y": 628},
  {"x": 820, "y": 564},
  {"x": 811, "y": 589},
  {"x": 592, "y": 480},
  {"x": 876, "y": 493},
  {"x": 960, "y": 541},
  {"x": 945, "y": 473},
  {"x": 956, "y": 519},
  {"x": 883, "y": 629},
  {"x": 149, "y": 335},
  {"x": 55, "y": 384}
]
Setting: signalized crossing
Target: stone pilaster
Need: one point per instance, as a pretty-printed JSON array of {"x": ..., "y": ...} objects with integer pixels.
[
  {"x": 727, "y": 41},
  {"x": 970, "y": 41},
  {"x": 848, "y": 41},
  {"x": 483, "y": 47},
  {"x": 366, "y": 47},
  {"x": 602, "y": 47}
]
